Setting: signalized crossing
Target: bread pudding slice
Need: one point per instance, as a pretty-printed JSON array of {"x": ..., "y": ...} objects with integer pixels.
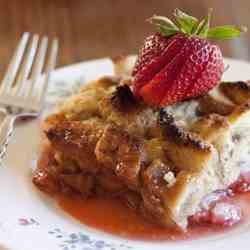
[{"x": 162, "y": 163}]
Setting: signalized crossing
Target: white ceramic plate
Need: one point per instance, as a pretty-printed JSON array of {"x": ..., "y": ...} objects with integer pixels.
[{"x": 29, "y": 220}]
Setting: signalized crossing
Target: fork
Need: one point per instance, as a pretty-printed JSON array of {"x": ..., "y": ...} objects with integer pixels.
[{"x": 25, "y": 83}]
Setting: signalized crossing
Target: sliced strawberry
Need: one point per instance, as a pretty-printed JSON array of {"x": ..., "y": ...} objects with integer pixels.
[
  {"x": 153, "y": 46},
  {"x": 151, "y": 66},
  {"x": 191, "y": 71},
  {"x": 153, "y": 92},
  {"x": 178, "y": 62},
  {"x": 187, "y": 75},
  {"x": 174, "y": 80}
]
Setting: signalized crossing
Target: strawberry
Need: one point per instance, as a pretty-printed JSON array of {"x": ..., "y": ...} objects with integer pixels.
[{"x": 178, "y": 62}]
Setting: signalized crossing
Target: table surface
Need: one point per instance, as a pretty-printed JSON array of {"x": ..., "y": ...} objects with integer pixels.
[{"x": 94, "y": 28}]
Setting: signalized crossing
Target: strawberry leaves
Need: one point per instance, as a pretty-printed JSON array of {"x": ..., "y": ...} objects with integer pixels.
[
  {"x": 225, "y": 32},
  {"x": 203, "y": 26},
  {"x": 186, "y": 23},
  {"x": 164, "y": 25},
  {"x": 191, "y": 26}
]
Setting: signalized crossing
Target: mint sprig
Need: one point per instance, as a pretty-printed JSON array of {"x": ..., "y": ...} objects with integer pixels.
[{"x": 191, "y": 26}]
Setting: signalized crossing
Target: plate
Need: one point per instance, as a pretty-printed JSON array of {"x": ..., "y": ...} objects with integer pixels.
[{"x": 31, "y": 220}]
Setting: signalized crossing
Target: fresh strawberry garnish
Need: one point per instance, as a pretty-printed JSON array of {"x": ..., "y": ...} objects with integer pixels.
[
  {"x": 163, "y": 51},
  {"x": 178, "y": 62}
]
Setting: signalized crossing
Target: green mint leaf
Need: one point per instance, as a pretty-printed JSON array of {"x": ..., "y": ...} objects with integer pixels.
[
  {"x": 225, "y": 32},
  {"x": 203, "y": 26},
  {"x": 185, "y": 21},
  {"x": 162, "y": 21}
]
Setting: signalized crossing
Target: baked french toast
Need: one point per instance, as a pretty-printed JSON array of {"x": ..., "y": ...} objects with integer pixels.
[{"x": 163, "y": 163}]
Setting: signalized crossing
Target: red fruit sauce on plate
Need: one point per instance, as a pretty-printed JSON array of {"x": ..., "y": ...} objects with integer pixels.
[{"x": 112, "y": 216}]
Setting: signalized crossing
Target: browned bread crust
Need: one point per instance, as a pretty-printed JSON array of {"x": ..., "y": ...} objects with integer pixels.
[{"x": 163, "y": 163}]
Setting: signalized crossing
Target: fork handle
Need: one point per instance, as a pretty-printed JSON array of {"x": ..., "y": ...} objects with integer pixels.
[{"x": 6, "y": 129}]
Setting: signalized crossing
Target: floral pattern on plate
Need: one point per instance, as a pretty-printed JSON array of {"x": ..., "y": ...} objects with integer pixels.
[{"x": 75, "y": 240}]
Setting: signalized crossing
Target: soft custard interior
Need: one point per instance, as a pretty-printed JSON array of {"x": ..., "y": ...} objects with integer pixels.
[{"x": 204, "y": 148}]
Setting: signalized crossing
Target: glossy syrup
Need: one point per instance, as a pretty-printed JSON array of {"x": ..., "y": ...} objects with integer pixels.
[{"x": 111, "y": 216}]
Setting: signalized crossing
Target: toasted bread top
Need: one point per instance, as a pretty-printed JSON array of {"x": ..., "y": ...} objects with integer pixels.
[{"x": 105, "y": 126}]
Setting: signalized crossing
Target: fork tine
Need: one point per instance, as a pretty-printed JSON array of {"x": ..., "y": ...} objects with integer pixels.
[
  {"x": 26, "y": 66},
  {"x": 38, "y": 64},
  {"x": 12, "y": 69},
  {"x": 49, "y": 67}
]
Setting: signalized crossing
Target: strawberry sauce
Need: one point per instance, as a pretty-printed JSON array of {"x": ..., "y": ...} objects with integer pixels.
[
  {"x": 111, "y": 216},
  {"x": 221, "y": 211}
]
